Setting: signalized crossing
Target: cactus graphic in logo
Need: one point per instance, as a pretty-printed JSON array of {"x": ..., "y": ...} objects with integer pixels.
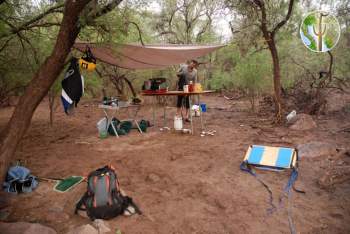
[{"x": 320, "y": 31}]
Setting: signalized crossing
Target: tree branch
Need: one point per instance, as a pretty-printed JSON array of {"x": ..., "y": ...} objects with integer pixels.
[
  {"x": 24, "y": 26},
  {"x": 139, "y": 31},
  {"x": 263, "y": 25},
  {"x": 6, "y": 43},
  {"x": 305, "y": 68},
  {"x": 258, "y": 50},
  {"x": 283, "y": 22},
  {"x": 44, "y": 25},
  {"x": 330, "y": 69},
  {"x": 173, "y": 33},
  {"x": 92, "y": 15},
  {"x": 233, "y": 31},
  {"x": 21, "y": 37}
]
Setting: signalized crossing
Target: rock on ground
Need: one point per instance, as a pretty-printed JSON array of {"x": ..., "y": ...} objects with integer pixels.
[
  {"x": 101, "y": 226},
  {"x": 84, "y": 229},
  {"x": 57, "y": 217},
  {"x": 25, "y": 228},
  {"x": 335, "y": 175},
  {"x": 153, "y": 178},
  {"x": 316, "y": 149},
  {"x": 303, "y": 122}
]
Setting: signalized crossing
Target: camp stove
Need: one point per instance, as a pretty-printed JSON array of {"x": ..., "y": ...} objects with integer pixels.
[
  {"x": 155, "y": 85},
  {"x": 111, "y": 101}
]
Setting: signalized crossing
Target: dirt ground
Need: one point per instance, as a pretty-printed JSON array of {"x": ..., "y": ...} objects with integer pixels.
[{"x": 182, "y": 183}]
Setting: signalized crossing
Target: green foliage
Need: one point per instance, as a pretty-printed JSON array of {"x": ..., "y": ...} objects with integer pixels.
[
  {"x": 93, "y": 85},
  {"x": 313, "y": 45},
  {"x": 329, "y": 42},
  {"x": 221, "y": 80},
  {"x": 253, "y": 73},
  {"x": 310, "y": 20}
]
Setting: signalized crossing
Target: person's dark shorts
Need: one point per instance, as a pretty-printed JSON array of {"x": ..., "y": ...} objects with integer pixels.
[{"x": 183, "y": 101}]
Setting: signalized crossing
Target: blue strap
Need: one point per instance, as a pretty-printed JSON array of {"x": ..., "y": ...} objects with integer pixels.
[
  {"x": 287, "y": 190},
  {"x": 246, "y": 168},
  {"x": 289, "y": 186},
  {"x": 293, "y": 177}
]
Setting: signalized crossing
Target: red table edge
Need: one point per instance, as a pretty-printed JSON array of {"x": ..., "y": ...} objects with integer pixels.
[{"x": 177, "y": 93}]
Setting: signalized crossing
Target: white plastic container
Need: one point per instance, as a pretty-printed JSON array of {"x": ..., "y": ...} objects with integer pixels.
[
  {"x": 291, "y": 116},
  {"x": 185, "y": 88},
  {"x": 102, "y": 127},
  {"x": 178, "y": 123}
]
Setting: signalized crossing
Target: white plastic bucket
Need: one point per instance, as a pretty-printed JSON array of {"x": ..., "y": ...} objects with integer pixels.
[
  {"x": 178, "y": 123},
  {"x": 102, "y": 127}
]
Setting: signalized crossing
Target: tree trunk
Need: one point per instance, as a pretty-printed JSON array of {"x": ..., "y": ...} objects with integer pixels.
[
  {"x": 270, "y": 40},
  {"x": 40, "y": 84},
  {"x": 115, "y": 79},
  {"x": 131, "y": 87},
  {"x": 276, "y": 78}
]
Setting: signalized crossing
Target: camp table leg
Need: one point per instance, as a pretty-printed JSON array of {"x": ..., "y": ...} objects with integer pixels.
[
  {"x": 138, "y": 126},
  {"x": 164, "y": 116},
  {"x": 133, "y": 117},
  {"x": 109, "y": 121},
  {"x": 190, "y": 101},
  {"x": 200, "y": 113},
  {"x": 154, "y": 110}
]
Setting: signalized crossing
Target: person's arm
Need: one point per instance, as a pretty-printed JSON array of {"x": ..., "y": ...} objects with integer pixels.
[
  {"x": 181, "y": 70},
  {"x": 196, "y": 76},
  {"x": 193, "y": 76}
]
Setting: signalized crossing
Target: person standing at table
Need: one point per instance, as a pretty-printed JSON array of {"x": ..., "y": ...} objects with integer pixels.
[{"x": 186, "y": 74}]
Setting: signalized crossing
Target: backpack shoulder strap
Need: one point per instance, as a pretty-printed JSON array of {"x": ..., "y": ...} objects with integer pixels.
[
  {"x": 129, "y": 202},
  {"x": 80, "y": 203}
]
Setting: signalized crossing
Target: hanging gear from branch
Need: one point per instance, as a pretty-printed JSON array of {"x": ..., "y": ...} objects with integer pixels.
[{"x": 88, "y": 60}]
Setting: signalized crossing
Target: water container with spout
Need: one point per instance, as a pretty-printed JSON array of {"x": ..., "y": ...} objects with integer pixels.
[{"x": 178, "y": 123}]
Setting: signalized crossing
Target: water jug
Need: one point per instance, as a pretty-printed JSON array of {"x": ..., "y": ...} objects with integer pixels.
[
  {"x": 178, "y": 122},
  {"x": 102, "y": 127}
]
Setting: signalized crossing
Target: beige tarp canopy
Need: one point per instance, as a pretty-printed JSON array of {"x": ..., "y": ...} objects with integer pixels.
[{"x": 146, "y": 57}]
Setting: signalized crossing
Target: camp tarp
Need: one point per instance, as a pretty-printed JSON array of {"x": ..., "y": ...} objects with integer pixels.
[{"x": 146, "y": 57}]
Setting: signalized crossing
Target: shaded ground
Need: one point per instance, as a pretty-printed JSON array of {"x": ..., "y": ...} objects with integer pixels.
[{"x": 183, "y": 183}]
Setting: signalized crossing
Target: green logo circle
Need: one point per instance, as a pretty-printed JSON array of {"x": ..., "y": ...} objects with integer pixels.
[{"x": 320, "y": 31}]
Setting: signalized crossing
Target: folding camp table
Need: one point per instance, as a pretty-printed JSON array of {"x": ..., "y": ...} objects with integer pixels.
[
  {"x": 114, "y": 110},
  {"x": 180, "y": 93}
]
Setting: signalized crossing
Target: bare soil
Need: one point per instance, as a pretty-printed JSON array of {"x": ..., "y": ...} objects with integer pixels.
[{"x": 183, "y": 183}]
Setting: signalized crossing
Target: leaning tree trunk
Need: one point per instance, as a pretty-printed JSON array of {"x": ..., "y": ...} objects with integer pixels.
[
  {"x": 40, "y": 84},
  {"x": 131, "y": 87}
]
